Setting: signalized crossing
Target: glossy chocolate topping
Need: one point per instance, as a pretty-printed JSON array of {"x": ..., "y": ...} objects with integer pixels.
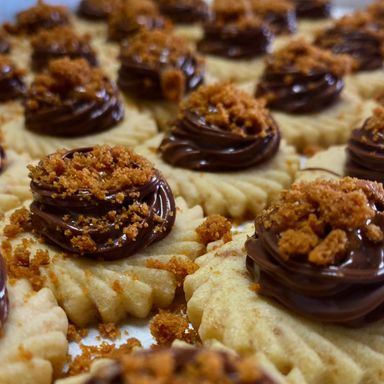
[
  {"x": 11, "y": 80},
  {"x": 72, "y": 99},
  {"x": 60, "y": 42},
  {"x": 313, "y": 9},
  {"x": 97, "y": 9},
  {"x": 156, "y": 65},
  {"x": 184, "y": 11},
  {"x": 5, "y": 46},
  {"x": 301, "y": 79},
  {"x": 365, "y": 149},
  {"x": 189, "y": 365},
  {"x": 4, "y": 303},
  {"x": 120, "y": 224},
  {"x": 349, "y": 292},
  {"x": 220, "y": 136},
  {"x": 3, "y": 158}
]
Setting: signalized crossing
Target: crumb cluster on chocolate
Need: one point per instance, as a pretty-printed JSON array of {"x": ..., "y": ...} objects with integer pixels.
[
  {"x": 70, "y": 98},
  {"x": 58, "y": 42},
  {"x": 323, "y": 257},
  {"x": 97, "y": 9},
  {"x": 220, "y": 128},
  {"x": 312, "y": 9},
  {"x": 158, "y": 65},
  {"x": 11, "y": 80},
  {"x": 103, "y": 202},
  {"x": 184, "y": 11}
]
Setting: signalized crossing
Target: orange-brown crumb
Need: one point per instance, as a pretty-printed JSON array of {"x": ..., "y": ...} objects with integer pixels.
[
  {"x": 19, "y": 222},
  {"x": 8, "y": 69},
  {"x": 215, "y": 227},
  {"x": 76, "y": 334},
  {"x": 375, "y": 124},
  {"x": 299, "y": 55},
  {"x": 311, "y": 150},
  {"x": 109, "y": 331},
  {"x": 166, "y": 327},
  {"x": 179, "y": 268}
]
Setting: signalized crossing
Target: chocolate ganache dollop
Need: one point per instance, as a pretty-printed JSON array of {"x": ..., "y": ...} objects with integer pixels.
[
  {"x": 59, "y": 42},
  {"x": 357, "y": 35},
  {"x": 4, "y": 302},
  {"x": 365, "y": 149},
  {"x": 11, "y": 80},
  {"x": 102, "y": 202},
  {"x": 319, "y": 251},
  {"x": 5, "y": 46},
  {"x": 182, "y": 365},
  {"x": 300, "y": 78},
  {"x": 72, "y": 99},
  {"x": 39, "y": 17},
  {"x": 134, "y": 16},
  {"x": 235, "y": 32},
  {"x": 97, "y": 9},
  {"x": 157, "y": 65},
  {"x": 220, "y": 128},
  {"x": 184, "y": 11},
  {"x": 312, "y": 9}
]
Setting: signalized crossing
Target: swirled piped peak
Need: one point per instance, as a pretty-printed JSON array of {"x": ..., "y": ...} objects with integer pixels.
[
  {"x": 313, "y": 9},
  {"x": 59, "y": 42},
  {"x": 235, "y": 32},
  {"x": 318, "y": 250},
  {"x": 184, "y": 11},
  {"x": 158, "y": 65},
  {"x": 220, "y": 128},
  {"x": 11, "y": 80},
  {"x": 97, "y": 9},
  {"x": 365, "y": 149},
  {"x": 72, "y": 99},
  {"x": 134, "y": 16},
  {"x": 358, "y": 35},
  {"x": 41, "y": 16},
  {"x": 102, "y": 202},
  {"x": 300, "y": 78}
]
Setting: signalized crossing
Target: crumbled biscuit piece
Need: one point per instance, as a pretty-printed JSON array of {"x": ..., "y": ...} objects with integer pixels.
[
  {"x": 76, "y": 334},
  {"x": 215, "y": 227},
  {"x": 19, "y": 222},
  {"x": 375, "y": 124},
  {"x": 109, "y": 331}
]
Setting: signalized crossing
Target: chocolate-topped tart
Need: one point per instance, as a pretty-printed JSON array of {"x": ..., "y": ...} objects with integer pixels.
[
  {"x": 179, "y": 364},
  {"x": 107, "y": 222},
  {"x": 315, "y": 273},
  {"x": 60, "y": 42},
  {"x": 72, "y": 103},
  {"x": 361, "y": 36},
  {"x": 157, "y": 70},
  {"x": 304, "y": 87},
  {"x": 234, "y": 40},
  {"x": 223, "y": 152}
]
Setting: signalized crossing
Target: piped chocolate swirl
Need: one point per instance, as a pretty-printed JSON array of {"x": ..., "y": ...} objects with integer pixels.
[
  {"x": 184, "y": 11},
  {"x": 97, "y": 9},
  {"x": 39, "y": 17},
  {"x": 72, "y": 99},
  {"x": 300, "y": 78},
  {"x": 312, "y": 9},
  {"x": 157, "y": 65},
  {"x": 102, "y": 202},
  {"x": 220, "y": 128},
  {"x": 357, "y": 35},
  {"x": 318, "y": 251},
  {"x": 365, "y": 149},
  {"x": 59, "y": 42},
  {"x": 4, "y": 302},
  {"x": 11, "y": 80},
  {"x": 182, "y": 365},
  {"x": 234, "y": 32}
]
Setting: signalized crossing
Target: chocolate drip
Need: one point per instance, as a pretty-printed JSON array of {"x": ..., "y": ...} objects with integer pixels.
[
  {"x": 365, "y": 155},
  {"x": 350, "y": 294},
  {"x": 4, "y": 302},
  {"x": 313, "y": 9},
  {"x": 185, "y": 11},
  {"x": 233, "y": 42},
  {"x": 53, "y": 216},
  {"x": 363, "y": 45},
  {"x": 75, "y": 118},
  {"x": 11, "y": 83},
  {"x": 193, "y": 143},
  {"x": 145, "y": 81},
  {"x": 3, "y": 158},
  {"x": 296, "y": 92}
]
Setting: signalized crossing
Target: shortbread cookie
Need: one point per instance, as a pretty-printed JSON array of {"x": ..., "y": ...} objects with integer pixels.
[
  {"x": 33, "y": 345},
  {"x": 142, "y": 251},
  {"x": 223, "y": 152},
  {"x": 57, "y": 115},
  {"x": 321, "y": 352}
]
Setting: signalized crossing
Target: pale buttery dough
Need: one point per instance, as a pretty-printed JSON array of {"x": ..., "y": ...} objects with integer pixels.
[
  {"x": 368, "y": 84},
  {"x": 90, "y": 291},
  {"x": 223, "y": 306},
  {"x": 33, "y": 346},
  {"x": 236, "y": 194}
]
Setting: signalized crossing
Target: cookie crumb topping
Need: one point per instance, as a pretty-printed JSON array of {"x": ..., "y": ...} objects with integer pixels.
[
  {"x": 215, "y": 227},
  {"x": 375, "y": 124}
]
